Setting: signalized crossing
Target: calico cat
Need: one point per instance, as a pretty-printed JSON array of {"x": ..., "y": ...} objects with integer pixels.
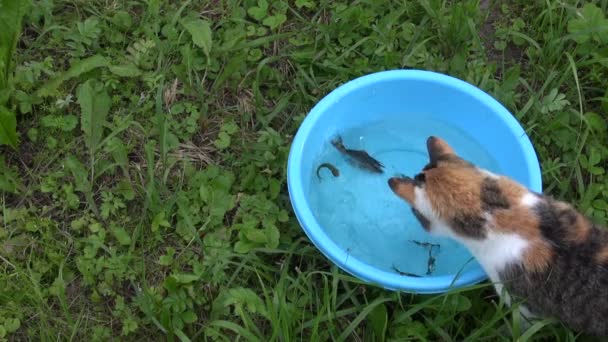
[{"x": 539, "y": 250}]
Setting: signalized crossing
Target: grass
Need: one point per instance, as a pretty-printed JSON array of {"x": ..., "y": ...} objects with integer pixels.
[{"x": 147, "y": 197}]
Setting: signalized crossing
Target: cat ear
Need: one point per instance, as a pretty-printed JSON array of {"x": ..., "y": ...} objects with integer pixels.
[{"x": 438, "y": 148}]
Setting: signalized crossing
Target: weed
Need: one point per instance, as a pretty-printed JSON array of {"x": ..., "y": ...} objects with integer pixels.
[{"x": 153, "y": 142}]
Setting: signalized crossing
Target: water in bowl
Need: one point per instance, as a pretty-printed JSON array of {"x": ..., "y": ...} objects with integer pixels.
[{"x": 365, "y": 218}]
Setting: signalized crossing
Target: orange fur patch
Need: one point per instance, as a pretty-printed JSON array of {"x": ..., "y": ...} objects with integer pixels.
[
  {"x": 511, "y": 190},
  {"x": 602, "y": 256},
  {"x": 538, "y": 257},
  {"x": 579, "y": 232},
  {"x": 517, "y": 220},
  {"x": 454, "y": 191},
  {"x": 522, "y": 221},
  {"x": 404, "y": 189}
]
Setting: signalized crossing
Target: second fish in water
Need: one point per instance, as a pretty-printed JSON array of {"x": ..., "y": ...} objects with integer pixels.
[{"x": 358, "y": 157}]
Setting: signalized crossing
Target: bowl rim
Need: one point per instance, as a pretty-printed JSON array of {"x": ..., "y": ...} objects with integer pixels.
[{"x": 339, "y": 256}]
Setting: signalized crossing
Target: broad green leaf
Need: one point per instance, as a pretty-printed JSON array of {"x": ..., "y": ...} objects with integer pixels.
[
  {"x": 201, "y": 34},
  {"x": 11, "y": 15},
  {"x": 256, "y": 235},
  {"x": 188, "y": 317},
  {"x": 77, "y": 69},
  {"x": 116, "y": 147},
  {"x": 94, "y": 106},
  {"x": 275, "y": 21},
  {"x": 127, "y": 70},
  {"x": 12, "y": 324},
  {"x": 8, "y": 128},
  {"x": 222, "y": 141},
  {"x": 122, "y": 236},
  {"x": 243, "y": 247},
  {"x": 159, "y": 221},
  {"x": 79, "y": 173},
  {"x": 272, "y": 235},
  {"x": 589, "y": 23},
  {"x": 258, "y": 12},
  {"x": 378, "y": 318}
]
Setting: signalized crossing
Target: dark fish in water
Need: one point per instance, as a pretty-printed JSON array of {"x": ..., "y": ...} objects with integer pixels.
[
  {"x": 426, "y": 244},
  {"x": 405, "y": 273},
  {"x": 333, "y": 169},
  {"x": 360, "y": 158},
  {"x": 430, "y": 264}
]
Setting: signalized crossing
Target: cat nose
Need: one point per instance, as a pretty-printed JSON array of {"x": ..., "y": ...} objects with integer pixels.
[{"x": 394, "y": 181}]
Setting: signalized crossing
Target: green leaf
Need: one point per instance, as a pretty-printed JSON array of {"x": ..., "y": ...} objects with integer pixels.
[
  {"x": 94, "y": 105},
  {"x": 9, "y": 178},
  {"x": 222, "y": 141},
  {"x": 125, "y": 189},
  {"x": 188, "y": 317},
  {"x": 65, "y": 123},
  {"x": 77, "y": 69},
  {"x": 182, "y": 337},
  {"x": 117, "y": 148},
  {"x": 201, "y": 34},
  {"x": 243, "y": 247},
  {"x": 79, "y": 173},
  {"x": 167, "y": 259},
  {"x": 459, "y": 302},
  {"x": 12, "y": 324},
  {"x": 8, "y": 128},
  {"x": 256, "y": 235},
  {"x": 258, "y": 12},
  {"x": 127, "y": 70},
  {"x": 159, "y": 221},
  {"x": 121, "y": 235},
  {"x": 272, "y": 236},
  {"x": 203, "y": 192},
  {"x": 230, "y": 128},
  {"x": 595, "y": 122},
  {"x": 122, "y": 19},
  {"x": 589, "y": 24},
  {"x": 11, "y": 15},
  {"x": 305, "y": 3},
  {"x": 378, "y": 318},
  {"x": 275, "y": 21},
  {"x": 184, "y": 278}
]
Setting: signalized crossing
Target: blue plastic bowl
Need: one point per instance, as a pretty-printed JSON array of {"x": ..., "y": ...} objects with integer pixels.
[{"x": 412, "y": 93}]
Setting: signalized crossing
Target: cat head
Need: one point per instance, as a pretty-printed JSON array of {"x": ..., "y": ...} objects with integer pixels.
[{"x": 453, "y": 197}]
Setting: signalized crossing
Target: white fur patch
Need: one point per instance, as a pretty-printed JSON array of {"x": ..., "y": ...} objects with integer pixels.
[
  {"x": 529, "y": 200},
  {"x": 496, "y": 251},
  {"x": 423, "y": 205}
]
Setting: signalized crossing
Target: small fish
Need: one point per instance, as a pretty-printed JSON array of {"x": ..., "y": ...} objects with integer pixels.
[
  {"x": 426, "y": 244},
  {"x": 430, "y": 264},
  {"x": 405, "y": 273},
  {"x": 359, "y": 157},
  {"x": 333, "y": 169}
]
